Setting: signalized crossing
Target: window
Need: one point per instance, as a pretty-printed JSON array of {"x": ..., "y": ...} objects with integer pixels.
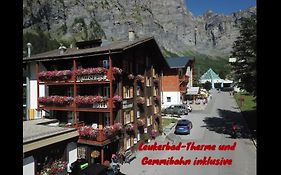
[
  {"x": 24, "y": 95},
  {"x": 168, "y": 99},
  {"x": 155, "y": 91},
  {"x": 138, "y": 90},
  {"x": 138, "y": 137},
  {"x": 149, "y": 120},
  {"x": 138, "y": 114},
  {"x": 149, "y": 101},
  {"x": 105, "y": 91},
  {"x": 148, "y": 81},
  {"x": 105, "y": 64},
  {"x": 156, "y": 109},
  {"x": 128, "y": 117},
  {"x": 106, "y": 119},
  {"x": 128, "y": 143},
  {"x": 132, "y": 141},
  {"x": 81, "y": 152},
  {"x": 128, "y": 92},
  {"x": 180, "y": 72},
  {"x": 153, "y": 73},
  {"x": 70, "y": 92}
]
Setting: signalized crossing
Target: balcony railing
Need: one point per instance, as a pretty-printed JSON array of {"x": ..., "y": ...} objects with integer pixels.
[
  {"x": 82, "y": 75},
  {"x": 100, "y": 135}
]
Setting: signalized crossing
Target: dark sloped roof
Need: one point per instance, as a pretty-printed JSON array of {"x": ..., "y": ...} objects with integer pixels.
[
  {"x": 118, "y": 46},
  {"x": 178, "y": 62}
]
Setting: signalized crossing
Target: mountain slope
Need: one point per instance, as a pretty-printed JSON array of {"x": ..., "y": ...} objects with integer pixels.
[{"x": 174, "y": 27}]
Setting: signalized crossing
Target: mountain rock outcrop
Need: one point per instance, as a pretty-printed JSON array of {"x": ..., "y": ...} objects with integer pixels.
[{"x": 171, "y": 23}]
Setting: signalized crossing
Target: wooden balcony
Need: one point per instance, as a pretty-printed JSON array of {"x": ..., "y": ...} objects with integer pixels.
[
  {"x": 97, "y": 107},
  {"x": 100, "y": 140}
]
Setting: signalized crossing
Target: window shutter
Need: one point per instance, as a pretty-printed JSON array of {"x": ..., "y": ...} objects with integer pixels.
[
  {"x": 124, "y": 117},
  {"x": 132, "y": 141},
  {"x": 124, "y": 92},
  {"x": 132, "y": 115},
  {"x": 150, "y": 119},
  {"x": 131, "y": 92}
]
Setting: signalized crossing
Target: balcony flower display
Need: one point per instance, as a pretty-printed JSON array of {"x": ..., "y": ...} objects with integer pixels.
[
  {"x": 108, "y": 131},
  {"x": 91, "y": 71},
  {"x": 117, "y": 98},
  {"x": 140, "y": 78},
  {"x": 116, "y": 70},
  {"x": 130, "y": 127},
  {"x": 55, "y": 75},
  {"x": 153, "y": 133},
  {"x": 131, "y": 76},
  {"x": 155, "y": 81},
  {"x": 89, "y": 100},
  {"x": 157, "y": 98},
  {"x": 140, "y": 101},
  {"x": 117, "y": 126},
  {"x": 87, "y": 132},
  {"x": 140, "y": 122},
  {"x": 54, "y": 168},
  {"x": 55, "y": 100}
]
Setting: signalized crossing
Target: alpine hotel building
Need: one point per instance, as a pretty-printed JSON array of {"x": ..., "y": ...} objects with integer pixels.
[{"x": 109, "y": 93}]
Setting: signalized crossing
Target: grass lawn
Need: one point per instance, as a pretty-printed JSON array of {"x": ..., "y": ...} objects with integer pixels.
[
  {"x": 248, "y": 110},
  {"x": 249, "y": 102},
  {"x": 167, "y": 121}
]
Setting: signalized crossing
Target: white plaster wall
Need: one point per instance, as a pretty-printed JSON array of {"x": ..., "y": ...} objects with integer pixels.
[
  {"x": 71, "y": 150},
  {"x": 28, "y": 166},
  {"x": 33, "y": 88},
  {"x": 175, "y": 98}
]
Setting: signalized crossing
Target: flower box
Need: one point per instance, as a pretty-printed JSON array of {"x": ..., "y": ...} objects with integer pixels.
[
  {"x": 156, "y": 81},
  {"x": 61, "y": 75},
  {"x": 58, "y": 167},
  {"x": 130, "y": 128},
  {"x": 100, "y": 135},
  {"x": 92, "y": 71},
  {"x": 116, "y": 71},
  {"x": 140, "y": 122},
  {"x": 91, "y": 101},
  {"x": 140, "y": 101},
  {"x": 55, "y": 100},
  {"x": 140, "y": 78},
  {"x": 131, "y": 76},
  {"x": 153, "y": 133}
]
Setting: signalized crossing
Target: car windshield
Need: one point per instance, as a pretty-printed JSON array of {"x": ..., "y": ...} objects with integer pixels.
[{"x": 182, "y": 124}]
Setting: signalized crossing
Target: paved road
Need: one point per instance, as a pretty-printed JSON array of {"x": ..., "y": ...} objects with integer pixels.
[{"x": 210, "y": 126}]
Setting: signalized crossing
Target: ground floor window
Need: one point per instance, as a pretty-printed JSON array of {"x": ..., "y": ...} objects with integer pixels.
[{"x": 168, "y": 99}]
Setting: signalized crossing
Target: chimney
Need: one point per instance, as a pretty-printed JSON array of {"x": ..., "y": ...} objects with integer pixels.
[
  {"x": 28, "y": 49},
  {"x": 131, "y": 35},
  {"x": 62, "y": 49}
]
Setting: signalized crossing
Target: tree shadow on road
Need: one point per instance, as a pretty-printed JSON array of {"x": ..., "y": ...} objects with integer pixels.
[{"x": 223, "y": 124}]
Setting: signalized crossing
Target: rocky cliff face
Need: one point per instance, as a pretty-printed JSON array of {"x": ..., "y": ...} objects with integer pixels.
[{"x": 169, "y": 21}]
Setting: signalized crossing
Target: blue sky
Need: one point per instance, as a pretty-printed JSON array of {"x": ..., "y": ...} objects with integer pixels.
[{"x": 198, "y": 7}]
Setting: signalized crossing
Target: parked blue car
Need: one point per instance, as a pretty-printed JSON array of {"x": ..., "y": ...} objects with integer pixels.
[{"x": 183, "y": 127}]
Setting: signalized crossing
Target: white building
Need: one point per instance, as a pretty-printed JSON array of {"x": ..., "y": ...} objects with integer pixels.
[{"x": 176, "y": 80}]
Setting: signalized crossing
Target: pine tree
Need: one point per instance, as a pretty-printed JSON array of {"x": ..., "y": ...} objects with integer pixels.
[{"x": 244, "y": 50}]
